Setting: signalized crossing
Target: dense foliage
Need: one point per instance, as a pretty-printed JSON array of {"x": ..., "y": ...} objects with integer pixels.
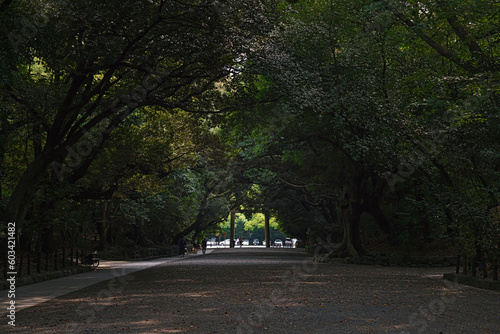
[{"x": 138, "y": 122}]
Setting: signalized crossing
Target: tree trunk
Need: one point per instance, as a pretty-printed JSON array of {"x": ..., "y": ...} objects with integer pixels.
[
  {"x": 199, "y": 218},
  {"x": 103, "y": 227},
  {"x": 330, "y": 210},
  {"x": 22, "y": 196},
  {"x": 351, "y": 210},
  {"x": 54, "y": 150},
  {"x": 191, "y": 228},
  {"x": 48, "y": 241},
  {"x": 351, "y": 242}
]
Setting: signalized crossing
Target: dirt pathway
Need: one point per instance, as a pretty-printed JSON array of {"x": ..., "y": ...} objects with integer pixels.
[{"x": 268, "y": 291}]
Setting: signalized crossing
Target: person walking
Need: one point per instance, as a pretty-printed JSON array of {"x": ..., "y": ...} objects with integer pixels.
[
  {"x": 204, "y": 245},
  {"x": 196, "y": 245},
  {"x": 182, "y": 246}
]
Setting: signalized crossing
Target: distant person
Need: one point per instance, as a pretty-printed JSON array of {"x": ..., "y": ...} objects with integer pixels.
[
  {"x": 196, "y": 245},
  {"x": 182, "y": 246},
  {"x": 204, "y": 245},
  {"x": 240, "y": 240}
]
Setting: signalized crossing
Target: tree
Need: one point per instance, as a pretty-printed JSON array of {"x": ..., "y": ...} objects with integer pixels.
[
  {"x": 319, "y": 125},
  {"x": 104, "y": 62},
  {"x": 460, "y": 105},
  {"x": 368, "y": 101}
]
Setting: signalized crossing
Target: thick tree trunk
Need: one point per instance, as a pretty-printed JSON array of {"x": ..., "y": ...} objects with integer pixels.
[
  {"x": 103, "y": 227},
  {"x": 22, "y": 196},
  {"x": 199, "y": 218},
  {"x": 351, "y": 210},
  {"x": 23, "y": 193},
  {"x": 352, "y": 233},
  {"x": 331, "y": 212},
  {"x": 191, "y": 228}
]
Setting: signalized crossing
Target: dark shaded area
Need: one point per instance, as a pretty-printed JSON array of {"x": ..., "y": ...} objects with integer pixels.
[{"x": 275, "y": 291}]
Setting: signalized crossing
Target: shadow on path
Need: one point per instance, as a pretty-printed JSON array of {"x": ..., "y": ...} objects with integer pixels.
[{"x": 268, "y": 290}]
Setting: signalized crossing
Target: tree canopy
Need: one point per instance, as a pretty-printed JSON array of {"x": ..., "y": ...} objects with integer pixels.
[{"x": 140, "y": 122}]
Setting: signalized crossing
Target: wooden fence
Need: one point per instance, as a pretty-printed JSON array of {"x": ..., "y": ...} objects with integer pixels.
[{"x": 29, "y": 263}]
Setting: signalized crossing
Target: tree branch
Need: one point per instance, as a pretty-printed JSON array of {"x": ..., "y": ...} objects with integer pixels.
[
  {"x": 432, "y": 43},
  {"x": 464, "y": 36}
]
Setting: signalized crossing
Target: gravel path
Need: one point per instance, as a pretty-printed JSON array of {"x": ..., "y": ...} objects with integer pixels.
[{"x": 268, "y": 291}]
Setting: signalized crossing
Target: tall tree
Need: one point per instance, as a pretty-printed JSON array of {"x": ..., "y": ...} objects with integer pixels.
[
  {"x": 366, "y": 92},
  {"x": 101, "y": 62}
]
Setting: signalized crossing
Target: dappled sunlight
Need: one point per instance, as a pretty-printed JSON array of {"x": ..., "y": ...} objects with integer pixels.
[
  {"x": 184, "y": 297},
  {"x": 352, "y": 147},
  {"x": 194, "y": 295},
  {"x": 314, "y": 283},
  {"x": 213, "y": 309}
]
